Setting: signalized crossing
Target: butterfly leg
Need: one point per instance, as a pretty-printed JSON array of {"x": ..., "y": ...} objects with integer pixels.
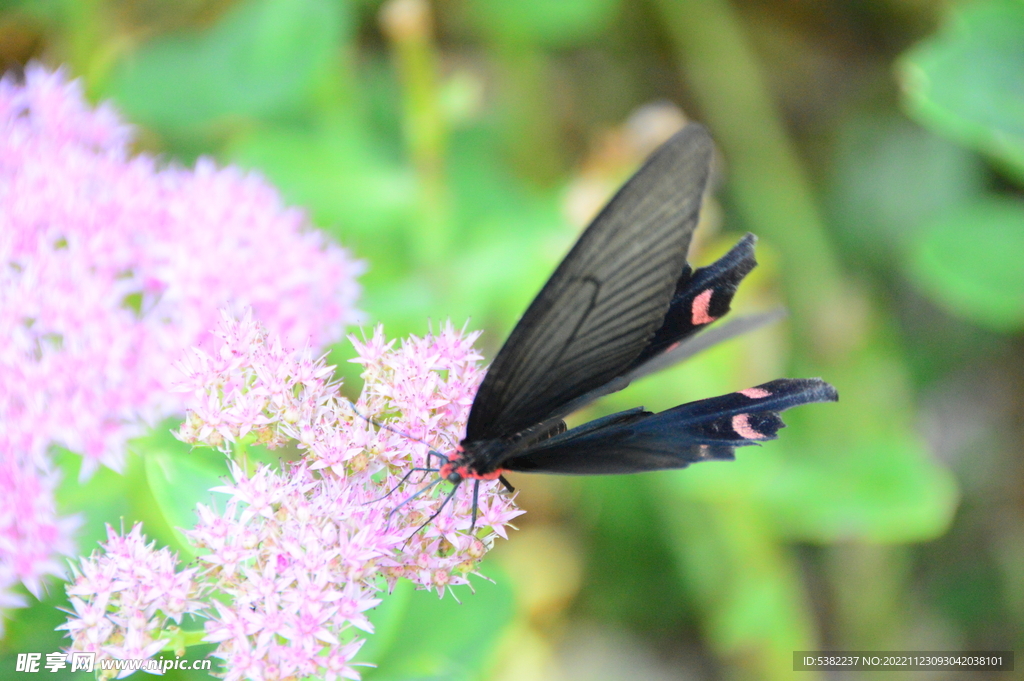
[
  {"x": 507, "y": 485},
  {"x": 432, "y": 454},
  {"x": 476, "y": 507},
  {"x": 421, "y": 491},
  {"x": 401, "y": 482}
]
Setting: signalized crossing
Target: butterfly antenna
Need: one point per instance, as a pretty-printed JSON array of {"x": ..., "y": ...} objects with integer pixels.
[
  {"x": 384, "y": 426},
  {"x": 436, "y": 513}
]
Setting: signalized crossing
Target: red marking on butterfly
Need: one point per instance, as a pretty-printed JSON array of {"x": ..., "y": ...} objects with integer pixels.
[
  {"x": 700, "y": 308},
  {"x": 755, "y": 393},
  {"x": 465, "y": 473},
  {"x": 741, "y": 424}
]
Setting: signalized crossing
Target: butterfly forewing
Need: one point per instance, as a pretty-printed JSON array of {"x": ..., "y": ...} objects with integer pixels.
[{"x": 605, "y": 301}]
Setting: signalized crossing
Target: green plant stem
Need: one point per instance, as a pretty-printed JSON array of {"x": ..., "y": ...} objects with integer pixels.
[
  {"x": 867, "y": 581},
  {"x": 180, "y": 639},
  {"x": 766, "y": 179},
  {"x": 408, "y": 25},
  {"x": 530, "y": 123},
  {"x": 240, "y": 454}
]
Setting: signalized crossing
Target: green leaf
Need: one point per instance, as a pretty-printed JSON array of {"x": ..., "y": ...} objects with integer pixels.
[
  {"x": 439, "y": 638},
  {"x": 969, "y": 261},
  {"x": 338, "y": 172},
  {"x": 103, "y": 498},
  {"x": 891, "y": 176},
  {"x": 745, "y": 581},
  {"x": 387, "y": 619},
  {"x": 180, "y": 478},
  {"x": 262, "y": 59},
  {"x": 880, "y": 491},
  {"x": 967, "y": 81}
]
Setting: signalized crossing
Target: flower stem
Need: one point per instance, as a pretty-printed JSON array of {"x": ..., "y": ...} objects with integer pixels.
[
  {"x": 767, "y": 180},
  {"x": 180, "y": 639},
  {"x": 408, "y": 24}
]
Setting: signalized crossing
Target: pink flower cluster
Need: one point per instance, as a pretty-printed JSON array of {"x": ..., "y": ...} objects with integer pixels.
[
  {"x": 126, "y": 597},
  {"x": 111, "y": 266},
  {"x": 300, "y": 553},
  {"x": 294, "y": 556}
]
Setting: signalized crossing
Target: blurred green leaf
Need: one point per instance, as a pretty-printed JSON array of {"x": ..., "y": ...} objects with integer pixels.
[
  {"x": 180, "y": 478},
  {"x": 103, "y": 498},
  {"x": 439, "y": 638},
  {"x": 969, "y": 261},
  {"x": 339, "y": 173},
  {"x": 967, "y": 81},
  {"x": 881, "y": 491},
  {"x": 857, "y": 469},
  {"x": 876, "y": 491},
  {"x": 262, "y": 59},
  {"x": 387, "y": 619},
  {"x": 891, "y": 175},
  {"x": 746, "y": 583},
  {"x": 161, "y": 482},
  {"x": 511, "y": 236}
]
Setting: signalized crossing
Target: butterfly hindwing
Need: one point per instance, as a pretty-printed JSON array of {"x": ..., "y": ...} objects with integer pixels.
[
  {"x": 636, "y": 441},
  {"x": 605, "y": 301},
  {"x": 701, "y": 297}
]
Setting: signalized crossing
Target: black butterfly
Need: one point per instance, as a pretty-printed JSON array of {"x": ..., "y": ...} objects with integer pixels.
[{"x": 623, "y": 304}]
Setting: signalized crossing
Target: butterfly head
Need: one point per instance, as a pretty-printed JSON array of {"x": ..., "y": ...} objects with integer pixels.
[{"x": 453, "y": 472}]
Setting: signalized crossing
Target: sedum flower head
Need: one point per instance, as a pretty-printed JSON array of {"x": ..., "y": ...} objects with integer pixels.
[
  {"x": 111, "y": 266},
  {"x": 127, "y": 597},
  {"x": 300, "y": 553}
]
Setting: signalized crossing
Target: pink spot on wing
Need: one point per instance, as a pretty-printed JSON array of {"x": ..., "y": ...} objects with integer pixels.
[
  {"x": 755, "y": 393},
  {"x": 700, "y": 308},
  {"x": 741, "y": 424}
]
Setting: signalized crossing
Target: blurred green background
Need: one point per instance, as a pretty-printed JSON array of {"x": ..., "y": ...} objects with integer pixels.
[{"x": 876, "y": 148}]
